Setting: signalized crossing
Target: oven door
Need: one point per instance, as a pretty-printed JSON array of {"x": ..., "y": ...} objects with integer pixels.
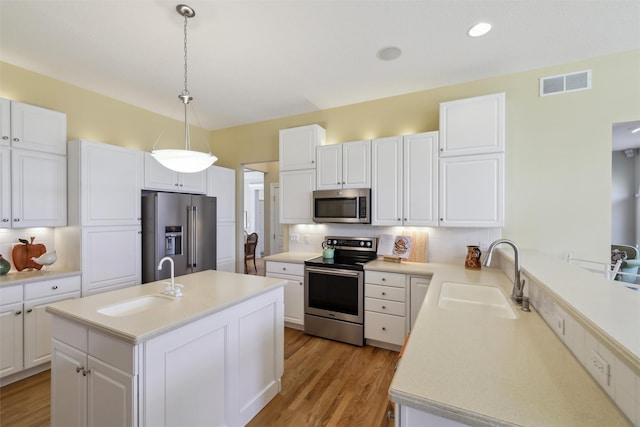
[{"x": 334, "y": 293}]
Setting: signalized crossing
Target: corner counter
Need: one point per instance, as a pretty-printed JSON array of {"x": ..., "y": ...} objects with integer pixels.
[{"x": 474, "y": 369}]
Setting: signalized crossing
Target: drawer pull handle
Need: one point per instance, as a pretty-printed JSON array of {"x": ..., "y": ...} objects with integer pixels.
[
  {"x": 54, "y": 287},
  {"x": 384, "y": 279},
  {"x": 30, "y": 310},
  {"x": 5, "y": 137},
  {"x": 79, "y": 368},
  {"x": 16, "y": 140},
  {"x": 16, "y": 220},
  {"x": 84, "y": 371},
  {"x": 18, "y": 313},
  {"x": 384, "y": 307},
  {"x": 384, "y": 293}
]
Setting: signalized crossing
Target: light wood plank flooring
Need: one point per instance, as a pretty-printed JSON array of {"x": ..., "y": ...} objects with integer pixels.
[{"x": 325, "y": 383}]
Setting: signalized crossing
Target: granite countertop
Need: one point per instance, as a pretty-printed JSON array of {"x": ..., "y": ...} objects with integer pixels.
[
  {"x": 204, "y": 293},
  {"x": 292, "y": 257},
  {"x": 15, "y": 277},
  {"x": 483, "y": 370}
]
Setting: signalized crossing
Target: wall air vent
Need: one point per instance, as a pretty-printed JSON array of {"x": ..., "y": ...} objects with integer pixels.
[{"x": 571, "y": 82}]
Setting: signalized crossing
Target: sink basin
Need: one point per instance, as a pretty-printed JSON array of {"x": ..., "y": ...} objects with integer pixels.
[
  {"x": 135, "y": 305},
  {"x": 481, "y": 299}
]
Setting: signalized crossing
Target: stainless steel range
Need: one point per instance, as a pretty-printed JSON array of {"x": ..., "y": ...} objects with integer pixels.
[{"x": 334, "y": 290}]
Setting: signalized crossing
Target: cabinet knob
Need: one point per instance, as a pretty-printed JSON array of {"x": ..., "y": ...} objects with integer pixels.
[
  {"x": 300, "y": 283},
  {"x": 30, "y": 310},
  {"x": 384, "y": 307},
  {"x": 16, "y": 139},
  {"x": 441, "y": 219},
  {"x": 5, "y": 137},
  {"x": 384, "y": 293},
  {"x": 5, "y": 219},
  {"x": 384, "y": 329},
  {"x": 79, "y": 368},
  {"x": 284, "y": 268},
  {"x": 384, "y": 279},
  {"x": 18, "y": 313},
  {"x": 16, "y": 219},
  {"x": 405, "y": 219},
  {"x": 398, "y": 219},
  {"x": 85, "y": 372},
  {"x": 54, "y": 287}
]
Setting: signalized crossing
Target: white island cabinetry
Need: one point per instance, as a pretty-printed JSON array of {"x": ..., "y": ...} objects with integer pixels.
[{"x": 214, "y": 356}]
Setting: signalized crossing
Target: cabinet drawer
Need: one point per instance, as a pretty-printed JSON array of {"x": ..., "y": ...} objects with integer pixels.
[
  {"x": 113, "y": 351},
  {"x": 384, "y": 306},
  {"x": 383, "y": 278},
  {"x": 50, "y": 288},
  {"x": 10, "y": 294},
  {"x": 384, "y": 292},
  {"x": 384, "y": 327},
  {"x": 285, "y": 268}
]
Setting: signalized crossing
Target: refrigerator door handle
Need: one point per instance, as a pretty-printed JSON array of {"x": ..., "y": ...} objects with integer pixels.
[{"x": 194, "y": 260}]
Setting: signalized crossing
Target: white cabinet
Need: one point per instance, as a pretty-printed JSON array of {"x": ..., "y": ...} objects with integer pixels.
[
  {"x": 93, "y": 378},
  {"x": 385, "y": 300},
  {"x": 472, "y": 191},
  {"x": 38, "y": 189},
  {"x": 296, "y": 196},
  {"x": 5, "y": 187},
  {"x": 405, "y": 180},
  {"x": 221, "y": 184},
  {"x": 298, "y": 147},
  {"x": 104, "y": 184},
  {"x": 111, "y": 258},
  {"x": 293, "y": 291},
  {"x": 11, "y": 330},
  {"x": 157, "y": 177},
  {"x": 346, "y": 165},
  {"x": 37, "y": 322},
  {"x": 30, "y": 127},
  {"x": 472, "y": 125},
  {"x": 418, "y": 292}
]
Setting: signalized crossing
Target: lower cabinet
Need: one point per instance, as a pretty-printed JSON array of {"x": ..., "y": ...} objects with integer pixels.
[
  {"x": 25, "y": 326},
  {"x": 419, "y": 287},
  {"x": 293, "y": 291},
  {"x": 385, "y": 299}
]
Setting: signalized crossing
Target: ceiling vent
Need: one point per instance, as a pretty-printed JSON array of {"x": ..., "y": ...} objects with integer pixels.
[{"x": 565, "y": 83}]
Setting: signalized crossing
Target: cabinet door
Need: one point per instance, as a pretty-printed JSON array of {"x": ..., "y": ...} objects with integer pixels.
[
  {"x": 221, "y": 184},
  {"x": 39, "y": 189},
  {"x": 5, "y": 122},
  {"x": 472, "y": 125},
  {"x": 296, "y": 198},
  {"x": 293, "y": 298},
  {"x": 356, "y": 164},
  {"x": 298, "y": 147},
  {"x": 68, "y": 386},
  {"x": 195, "y": 183},
  {"x": 386, "y": 185},
  {"x": 157, "y": 177},
  {"x": 111, "y": 181},
  {"x": 329, "y": 167},
  {"x": 419, "y": 288},
  {"x": 110, "y": 395},
  {"x": 420, "y": 199},
  {"x": 110, "y": 258},
  {"x": 39, "y": 129},
  {"x": 37, "y": 329},
  {"x": 472, "y": 191},
  {"x": 226, "y": 247},
  {"x": 5, "y": 187},
  {"x": 11, "y": 332}
]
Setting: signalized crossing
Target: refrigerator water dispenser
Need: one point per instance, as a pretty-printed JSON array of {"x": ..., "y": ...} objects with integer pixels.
[{"x": 173, "y": 240}]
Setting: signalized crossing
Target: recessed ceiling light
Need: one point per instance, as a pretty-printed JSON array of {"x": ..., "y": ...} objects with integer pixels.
[
  {"x": 479, "y": 29},
  {"x": 389, "y": 53}
]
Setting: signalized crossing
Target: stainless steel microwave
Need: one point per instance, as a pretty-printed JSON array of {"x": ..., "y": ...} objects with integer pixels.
[{"x": 350, "y": 206}]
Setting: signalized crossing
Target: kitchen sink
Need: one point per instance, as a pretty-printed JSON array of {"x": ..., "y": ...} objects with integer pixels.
[
  {"x": 135, "y": 305},
  {"x": 471, "y": 298}
]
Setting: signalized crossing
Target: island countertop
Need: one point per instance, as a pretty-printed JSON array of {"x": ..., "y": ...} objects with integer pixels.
[
  {"x": 487, "y": 371},
  {"x": 204, "y": 293}
]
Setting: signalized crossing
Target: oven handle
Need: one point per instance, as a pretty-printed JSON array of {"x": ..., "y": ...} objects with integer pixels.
[{"x": 334, "y": 271}]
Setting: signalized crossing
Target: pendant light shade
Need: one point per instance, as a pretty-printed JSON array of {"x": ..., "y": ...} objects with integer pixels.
[{"x": 179, "y": 160}]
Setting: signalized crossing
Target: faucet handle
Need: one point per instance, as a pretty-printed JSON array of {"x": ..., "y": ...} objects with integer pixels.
[{"x": 525, "y": 304}]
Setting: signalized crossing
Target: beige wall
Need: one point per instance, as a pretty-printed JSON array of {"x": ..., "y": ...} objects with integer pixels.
[{"x": 558, "y": 147}]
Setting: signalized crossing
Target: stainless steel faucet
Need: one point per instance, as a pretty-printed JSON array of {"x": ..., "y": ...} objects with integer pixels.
[
  {"x": 517, "y": 294},
  {"x": 171, "y": 289}
]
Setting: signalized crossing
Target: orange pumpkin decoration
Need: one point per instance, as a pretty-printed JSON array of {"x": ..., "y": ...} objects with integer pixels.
[{"x": 22, "y": 254}]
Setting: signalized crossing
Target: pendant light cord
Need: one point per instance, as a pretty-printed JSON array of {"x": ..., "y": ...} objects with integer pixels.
[{"x": 186, "y": 96}]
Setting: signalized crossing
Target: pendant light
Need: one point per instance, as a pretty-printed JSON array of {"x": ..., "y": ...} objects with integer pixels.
[{"x": 186, "y": 160}]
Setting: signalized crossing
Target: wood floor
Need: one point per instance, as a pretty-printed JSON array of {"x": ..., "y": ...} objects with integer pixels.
[{"x": 325, "y": 383}]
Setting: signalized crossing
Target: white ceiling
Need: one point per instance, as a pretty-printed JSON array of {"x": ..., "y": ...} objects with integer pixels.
[{"x": 257, "y": 60}]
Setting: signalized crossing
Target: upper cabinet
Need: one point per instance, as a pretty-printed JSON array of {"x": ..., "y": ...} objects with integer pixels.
[
  {"x": 298, "y": 147},
  {"x": 221, "y": 184},
  {"x": 405, "y": 180},
  {"x": 472, "y": 126},
  {"x": 104, "y": 184},
  {"x": 30, "y": 127},
  {"x": 346, "y": 165},
  {"x": 157, "y": 177},
  {"x": 5, "y": 187}
]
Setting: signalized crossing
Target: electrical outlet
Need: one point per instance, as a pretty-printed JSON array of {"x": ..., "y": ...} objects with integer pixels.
[
  {"x": 558, "y": 324},
  {"x": 293, "y": 237},
  {"x": 601, "y": 368}
]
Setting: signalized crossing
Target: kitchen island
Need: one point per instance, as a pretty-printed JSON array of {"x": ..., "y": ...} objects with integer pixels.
[{"x": 136, "y": 357}]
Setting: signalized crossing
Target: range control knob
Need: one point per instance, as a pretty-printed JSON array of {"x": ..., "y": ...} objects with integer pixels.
[
  {"x": 368, "y": 244},
  {"x": 361, "y": 243}
]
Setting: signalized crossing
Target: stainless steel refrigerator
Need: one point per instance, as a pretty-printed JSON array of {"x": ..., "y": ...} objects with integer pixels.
[{"x": 180, "y": 226}]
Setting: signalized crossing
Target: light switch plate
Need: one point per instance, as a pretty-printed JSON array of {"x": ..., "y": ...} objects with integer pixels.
[{"x": 558, "y": 324}]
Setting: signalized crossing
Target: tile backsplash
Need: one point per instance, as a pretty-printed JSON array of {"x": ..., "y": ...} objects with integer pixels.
[{"x": 445, "y": 245}]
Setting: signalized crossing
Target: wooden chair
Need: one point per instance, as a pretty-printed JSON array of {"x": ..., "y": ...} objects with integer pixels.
[{"x": 250, "y": 251}]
